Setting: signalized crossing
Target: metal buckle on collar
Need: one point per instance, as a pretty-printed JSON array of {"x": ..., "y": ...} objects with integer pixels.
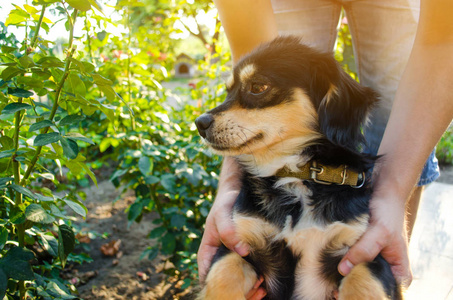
[
  {"x": 314, "y": 171},
  {"x": 361, "y": 177}
]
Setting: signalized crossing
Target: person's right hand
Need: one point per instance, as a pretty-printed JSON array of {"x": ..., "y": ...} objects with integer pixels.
[{"x": 219, "y": 229}]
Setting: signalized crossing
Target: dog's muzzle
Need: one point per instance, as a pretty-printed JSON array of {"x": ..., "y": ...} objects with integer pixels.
[{"x": 203, "y": 123}]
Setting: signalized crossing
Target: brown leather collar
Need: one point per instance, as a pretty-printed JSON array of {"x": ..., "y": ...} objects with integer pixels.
[{"x": 323, "y": 174}]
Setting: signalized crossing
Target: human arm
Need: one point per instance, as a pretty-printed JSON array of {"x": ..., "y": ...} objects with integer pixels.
[
  {"x": 247, "y": 24},
  {"x": 422, "y": 110}
]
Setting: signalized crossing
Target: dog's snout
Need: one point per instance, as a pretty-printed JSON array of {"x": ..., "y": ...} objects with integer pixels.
[{"x": 203, "y": 122}]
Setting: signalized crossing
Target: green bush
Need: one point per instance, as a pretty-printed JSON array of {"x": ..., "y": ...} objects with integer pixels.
[{"x": 43, "y": 100}]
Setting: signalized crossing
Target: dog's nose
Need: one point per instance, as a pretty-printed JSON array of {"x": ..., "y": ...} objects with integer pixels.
[{"x": 203, "y": 122}]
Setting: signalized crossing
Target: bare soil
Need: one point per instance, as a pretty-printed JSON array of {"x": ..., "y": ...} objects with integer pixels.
[{"x": 123, "y": 275}]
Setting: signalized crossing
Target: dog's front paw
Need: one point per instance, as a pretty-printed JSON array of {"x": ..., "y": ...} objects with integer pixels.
[{"x": 231, "y": 277}]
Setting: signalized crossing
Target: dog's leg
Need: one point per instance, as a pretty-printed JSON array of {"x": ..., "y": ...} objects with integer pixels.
[
  {"x": 371, "y": 281},
  {"x": 231, "y": 277}
]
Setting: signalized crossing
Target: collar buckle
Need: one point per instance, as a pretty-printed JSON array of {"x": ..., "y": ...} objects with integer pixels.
[{"x": 315, "y": 171}]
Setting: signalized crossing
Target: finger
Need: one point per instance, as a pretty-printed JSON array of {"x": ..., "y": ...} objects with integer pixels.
[
  {"x": 227, "y": 232},
  {"x": 204, "y": 258},
  {"x": 366, "y": 249},
  {"x": 256, "y": 292},
  {"x": 260, "y": 294}
]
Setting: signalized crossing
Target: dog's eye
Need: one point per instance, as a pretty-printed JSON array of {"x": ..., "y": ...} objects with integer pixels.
[{"x": 258, "y": 88}]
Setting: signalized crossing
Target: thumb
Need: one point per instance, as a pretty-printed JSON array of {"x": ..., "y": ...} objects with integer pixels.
[
  {"x": 366, "y": 249},
  {"x": 227, "y": 233}
]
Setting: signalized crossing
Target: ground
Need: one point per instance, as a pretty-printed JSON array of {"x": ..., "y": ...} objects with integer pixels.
[{"x": 123, "y": 275}]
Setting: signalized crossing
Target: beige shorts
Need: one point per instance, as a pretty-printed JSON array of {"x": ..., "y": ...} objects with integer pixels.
[{"x": 383, "y": 33}]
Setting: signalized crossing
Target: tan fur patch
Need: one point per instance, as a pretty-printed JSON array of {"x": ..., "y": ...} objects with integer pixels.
[
  {"x": 254, "y": 231},
  {"x": 229, "y": 82},
  {"x": 282, "y": 130},
  {"x": 333, "y": 90},
  {"x": 308, "y": 239},
  {"x": 229, "y": 278},
  {"x": 361, "y": 284},
  {"x": 247, "y": 72}
]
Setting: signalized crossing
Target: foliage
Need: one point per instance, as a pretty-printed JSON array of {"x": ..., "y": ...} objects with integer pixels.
[
  {"x": 43, "y": 100},
  {"x": 444, "y": 150}
]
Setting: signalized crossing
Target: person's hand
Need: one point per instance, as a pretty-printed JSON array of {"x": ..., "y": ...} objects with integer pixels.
[
  {"x": 219, "y": 229},
  {"x": 257, "y": 292},
  {"x": 386, "y": 234}
]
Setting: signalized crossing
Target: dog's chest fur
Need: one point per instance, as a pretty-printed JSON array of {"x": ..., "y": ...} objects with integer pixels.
[{"x": 274, "y": 213}]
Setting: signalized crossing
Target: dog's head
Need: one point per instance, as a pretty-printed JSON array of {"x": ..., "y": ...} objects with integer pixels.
[{"x": 282, "y": 97}]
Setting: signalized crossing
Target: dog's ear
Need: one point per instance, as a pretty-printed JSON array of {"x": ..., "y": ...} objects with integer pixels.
[{"x": 343, "y": 104}]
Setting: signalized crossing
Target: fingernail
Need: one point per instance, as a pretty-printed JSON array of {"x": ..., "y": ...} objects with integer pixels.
[
  {"x": 345, "y": 267},
  {"x": 241, "y": 249}
]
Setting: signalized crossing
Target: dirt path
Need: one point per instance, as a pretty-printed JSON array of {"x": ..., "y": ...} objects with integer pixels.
[{"x": 124, "y": 275}]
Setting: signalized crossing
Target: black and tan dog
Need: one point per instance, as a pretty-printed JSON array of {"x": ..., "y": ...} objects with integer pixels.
[{"x": 293, "y": 120}]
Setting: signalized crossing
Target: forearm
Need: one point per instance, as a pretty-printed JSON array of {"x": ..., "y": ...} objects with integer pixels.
[
  {"x": 247, "y": 24},
  {"x": 421, "y": 112}
]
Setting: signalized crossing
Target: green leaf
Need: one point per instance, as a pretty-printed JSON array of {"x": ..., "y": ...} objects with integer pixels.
[
  {"x": 157, "y": 232},
  {"x": 37, "y": 214},
  {"x": 40, "y": 125},
  {"x": 109, "y": 92},
  {"x": 13, "y": 107},
  {"x": 3, "y": 237},
  {"x": 50, "y": 243},
  {"x": 118, "y": 173},
  {"x": 50, "y": 62},
  {"x": 71, "y": 119},
  {"x": 66, "y": 242},
  {"x": 5, "y": 180},
  {"x": 75, "y": 85},
  {"x": 17, "y": 216},
  {"x": 79, "y": 137},
  {"x": 30, "y": 82},
  {"x": 59, "y": 291},
  {"x": 168, "y": 182},
  {"x": 7, "y": 153},
  {"x": 26, "y": 61},
  {"x": 46, "y": 138},
  {"x": 16, "y": 264},
  {"x": 16, "y": 16},
  {"x": 78, "y": 207},
  {"x": 145, "y": 165},
  {"x": 83, "y": 5},
  {"x": 8, "y": 49},
  {"x": 6, "y": 142},
  {"x": 168, "y": 243},
  {"x": 135, "y": 210},
  {"x": 70, "y": 148},
  {"x": 3, "y": 284},
  {"x": 178, "y": 221},
  {"x": 101, "y": 35},
  {"x": 100, "y": 80},
  {"x": 19, "y": 92},
  {"x": 90, "y": 173},
  {"x": 10, "y": 72},
  {"x": 151, "y": 179},
  {"x": 23, "y": 191}
]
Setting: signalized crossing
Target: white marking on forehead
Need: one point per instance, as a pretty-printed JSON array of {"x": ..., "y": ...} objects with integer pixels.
[
  {"x": 229, "y": 82},
  {"x": 247, "y": 72}
]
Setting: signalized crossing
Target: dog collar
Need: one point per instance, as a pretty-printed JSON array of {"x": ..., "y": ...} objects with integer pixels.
[{"x": 323, "y": 174}]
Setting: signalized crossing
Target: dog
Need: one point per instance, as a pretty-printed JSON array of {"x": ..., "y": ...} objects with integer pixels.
[{"x": 293, "y": 120}]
